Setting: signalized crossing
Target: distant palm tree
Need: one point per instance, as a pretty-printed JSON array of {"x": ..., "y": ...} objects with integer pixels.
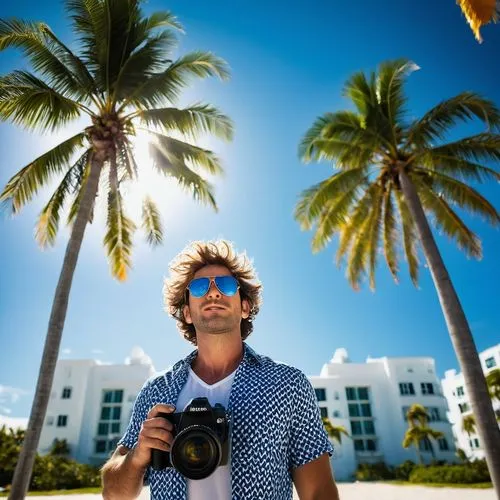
[
  {"x": 419, "y": 430},
  {"x": 392, "y": 169},
  {"x": 461, "y": 455},
  {"x": 493, "y": 381},
  {"x": 334, "y": 431},
  {"x": 469, "y": 424},
  {"x": 122, "y": 80},
  {"x": 479, "y": 12},
  {"x": 417, "y": 415}
]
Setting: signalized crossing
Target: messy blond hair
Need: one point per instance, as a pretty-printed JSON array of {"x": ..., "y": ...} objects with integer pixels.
[{"x": 199, "y": 254}]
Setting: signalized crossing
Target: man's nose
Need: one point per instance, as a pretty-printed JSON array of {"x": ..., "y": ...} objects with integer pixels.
[{"x": 213, "y": 291}]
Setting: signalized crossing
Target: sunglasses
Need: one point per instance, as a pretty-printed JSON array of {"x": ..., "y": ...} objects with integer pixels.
[{"x": 227, "y": 285}]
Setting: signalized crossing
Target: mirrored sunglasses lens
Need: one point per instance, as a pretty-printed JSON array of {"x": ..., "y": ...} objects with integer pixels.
[
  {"x": 199, "y": 287},
  {"x": 227, "y": 285}
]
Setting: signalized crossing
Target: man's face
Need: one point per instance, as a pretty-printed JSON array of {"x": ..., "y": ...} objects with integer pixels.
[{"x": 215, "y": 313}]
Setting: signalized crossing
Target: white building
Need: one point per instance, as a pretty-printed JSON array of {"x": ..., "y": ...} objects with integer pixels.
[
  {"x": 370, "y": 401},
  {"x": 459, "y": 403},
  {"x": 91, "y": 404}
]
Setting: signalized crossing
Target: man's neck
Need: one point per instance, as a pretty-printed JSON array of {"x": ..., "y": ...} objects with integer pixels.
[{"x": 217, "y": 357}]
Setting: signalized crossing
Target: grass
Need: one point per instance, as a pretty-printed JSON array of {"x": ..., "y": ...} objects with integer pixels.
[
  {"x": 475, "y": 486},
  {"x": 80, "y": 491}
]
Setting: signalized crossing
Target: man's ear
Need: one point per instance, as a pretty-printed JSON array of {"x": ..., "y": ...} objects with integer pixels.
[
  {"x": 187, "y": 314},
  {"x": 245, "y": 308}
]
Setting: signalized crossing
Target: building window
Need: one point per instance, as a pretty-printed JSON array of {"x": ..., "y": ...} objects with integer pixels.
[
  {"x": 106, "y": 445},
  {"x": 336, "y": 396},
  {"x": 370, "y": 445},
  {"x": 490, "y": 362},
  {"x": 336, "y": 414},
  {"x": 50, "y": 421},
  {"x": 427, "y": 388},
  {"x": 62, "y": 420},
  {"x": 359, "y": 445},
  {"x": 463, "y": 407},
  {"x": 460, "y": 391},
  {"x": 424, "y": 445},
  {"x": 110, "y": 418},
  {"x": 356, "y": 429},
  {"x": 354, "y": 410},
  {"x": 443, "y": 444},
  {"x": 434, "y": 414},
  {"x": 405, "y": 411},
  {"x": 366, "y": 410},
  {"x": 320, "y": 394},
  {"x": 323, "y": 411},
  {"x": 409, "y": 370},
  {"x": 406, "y": 389},
  {"x": 476, "y": 442},
  {"x": 369, "y": 427},
  {"x": 363, "y": 393},
  {"x": 66, "y": 394},
  {"x": 350, "y": 393}
]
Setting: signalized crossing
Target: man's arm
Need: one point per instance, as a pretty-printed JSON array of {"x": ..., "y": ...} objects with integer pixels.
[
  {"x": 122, "y": 477},
  {"x": 314, "y": 480},
  {"x": 123, "y": 474}
]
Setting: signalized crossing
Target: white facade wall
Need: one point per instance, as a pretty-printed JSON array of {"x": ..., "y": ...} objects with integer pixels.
[
  {"x": 460, "y": 405},
  {"x": 381, "y": 377},
  {"x": 89, "y": 381}
]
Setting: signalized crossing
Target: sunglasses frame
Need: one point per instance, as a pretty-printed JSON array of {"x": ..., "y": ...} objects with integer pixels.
[{"x": 212, "y": 280}]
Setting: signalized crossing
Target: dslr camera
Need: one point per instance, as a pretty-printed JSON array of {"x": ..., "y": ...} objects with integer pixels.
[{"x": 201, "y": 440}]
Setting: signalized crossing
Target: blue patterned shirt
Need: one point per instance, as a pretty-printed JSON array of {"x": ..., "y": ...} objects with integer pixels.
[{"x": 275, "y": 420}]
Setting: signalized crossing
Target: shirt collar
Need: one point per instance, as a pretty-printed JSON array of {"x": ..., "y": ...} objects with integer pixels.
[{"x": 249, "y": 356}]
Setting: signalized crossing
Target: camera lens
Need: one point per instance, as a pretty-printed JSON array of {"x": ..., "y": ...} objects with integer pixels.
[{"x": 196, "y": 452}]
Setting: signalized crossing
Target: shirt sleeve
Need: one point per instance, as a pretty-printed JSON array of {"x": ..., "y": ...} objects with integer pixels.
[{"x": 308, "y": 438}]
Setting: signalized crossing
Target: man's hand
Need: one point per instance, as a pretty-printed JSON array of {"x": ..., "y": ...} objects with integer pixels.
[{"x": 156, "y": 433}]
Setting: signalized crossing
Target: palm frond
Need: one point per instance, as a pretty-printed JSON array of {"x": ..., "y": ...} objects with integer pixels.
[
  {"x": 354, "y": 222},
  {"x": 409, "y": 235},
  {"x": 176, "y": 168},
  {"x": 191, "y": 121},
  {"x": 166, "y": 86},
  {"x": 390, "y": 95},
  {"x": 436, "y": 123},
  {"x": 390, "y": 234},
  {"x": 458, "y": 167},
  {"x": 361, "y": 92},
  {"x": 38, "y": 43},
  {"x": 21, "y": 188},
  {"x": 179, "y": 151},
  {"x": 48, "y": 220},
  {"x": 449, "y": 222},
  {"x": 151, "y": 222},
  {"x": 315, "y": 199},
  {"x": 463, "y": 195},
  {"x": 373, "y": 235},
  {"x": 477, "y": 148},
  {"x": 28, "y": 101},
  {"x": 119, "y": 231}
]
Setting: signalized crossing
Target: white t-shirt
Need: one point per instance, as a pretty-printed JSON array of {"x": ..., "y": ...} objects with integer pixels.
[{"x": 217, "y": 485}]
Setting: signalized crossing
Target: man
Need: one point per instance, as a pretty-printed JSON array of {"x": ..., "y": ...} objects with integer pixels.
[{"x": 277, "y": 435}]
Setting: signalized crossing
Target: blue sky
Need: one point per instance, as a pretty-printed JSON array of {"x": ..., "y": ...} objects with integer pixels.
[{"x": 289, "y": 61}]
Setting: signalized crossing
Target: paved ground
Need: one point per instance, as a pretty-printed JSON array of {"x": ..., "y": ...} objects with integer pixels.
[{"x": 364, "y": 491}]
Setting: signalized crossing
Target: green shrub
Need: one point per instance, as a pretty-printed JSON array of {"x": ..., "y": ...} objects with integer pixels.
[
  {"x": 402, "y": 472},
  {"x": 474, "y": 472},
  {"x": 374, "y": 472}
]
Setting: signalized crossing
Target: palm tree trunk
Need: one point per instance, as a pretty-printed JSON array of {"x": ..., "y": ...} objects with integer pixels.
[
  {"x": 24, "y": 467},
  {"x": 419, "y": 455},
  {"x": 460, "y": 334}
]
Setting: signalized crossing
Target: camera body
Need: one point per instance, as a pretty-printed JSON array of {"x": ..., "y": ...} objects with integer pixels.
[{"x": 201, "y": 440}]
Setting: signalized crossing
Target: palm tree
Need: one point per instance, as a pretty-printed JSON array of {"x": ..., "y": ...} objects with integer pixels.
[
  {"x": 493, "y": 382},
  {"x": 479, "y": 12},
  {"x": 392, "y": 170},
  {"x": 461, "y": 455},
  {"x": 124, "y": 80},
  {"x": 469, "y": 424},
  {"x": 415, "y": 435},
  {"x": 334, "y": 431},
  {"x": 417, "y": 415}
]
